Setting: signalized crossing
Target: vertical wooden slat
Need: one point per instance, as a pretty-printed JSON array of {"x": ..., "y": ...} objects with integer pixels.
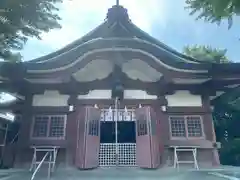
[
  {"x": 79, "y": 160},
  {"x": 48, "y": 126},
  {"x": 86, "y": 118},
  {"x": 155, "y": 155},
  {"x": 186, "y": 126},
  {"x": 143, "y": 150},
  {"x": 148, "y": 154},
  {"x": 92, "y": 139}
]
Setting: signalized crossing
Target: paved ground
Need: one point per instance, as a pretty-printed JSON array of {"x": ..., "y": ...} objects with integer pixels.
[{"x": 132, "y": 174}]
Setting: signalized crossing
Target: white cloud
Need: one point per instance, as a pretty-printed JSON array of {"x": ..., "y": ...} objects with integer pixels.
[
  {"x": 79, "y": 17},
  {"x": 167, "y": 20},
  {"x": 59, "y": 38}
]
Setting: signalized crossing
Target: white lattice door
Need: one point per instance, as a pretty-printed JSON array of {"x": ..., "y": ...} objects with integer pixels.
[{"x": 121, "y": 153}]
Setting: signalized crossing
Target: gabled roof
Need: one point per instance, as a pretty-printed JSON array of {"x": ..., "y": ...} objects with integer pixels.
[
  {"x": 116, "y": 31},
  {"x": 117, "y": 24},
  {"x": 117, "y": 35}
]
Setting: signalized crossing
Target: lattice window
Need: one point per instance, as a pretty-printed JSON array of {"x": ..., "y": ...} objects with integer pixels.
[
  {"x": 40, "y": 128},
  {"x": 186, "y": 126},
  {"x": 142, "y": 126},
  {"x": 49, "y": 126},
  {"x": 57, "y": 126},
  {"x": 93, "y": 127},
  {"x": 194, "y": 126},
  {"x": 178, "y": 128}
]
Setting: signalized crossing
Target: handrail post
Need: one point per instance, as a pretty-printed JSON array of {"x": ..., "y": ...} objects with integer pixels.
[
  {"x": 15, "y": 137},
  {"x": 50, "y": 151},
  {"x": 50, "y": 166},
  {"x": 39, "y": 165}
]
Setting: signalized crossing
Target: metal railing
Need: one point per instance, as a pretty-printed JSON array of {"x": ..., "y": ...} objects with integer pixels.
[
  {"x": 40, "y": 164},
  {"x": 14, "y": 138}
]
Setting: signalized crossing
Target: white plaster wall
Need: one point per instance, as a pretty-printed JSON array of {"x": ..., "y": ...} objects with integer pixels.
[
  {"x": 97, "y": 94},
  {"x": 96, "y": 69},
  {"x": 137, "y": 94},
  {"x": 184, "y": 98},
  {"x": 50, "y": 98},
  {"x": 138, "y": 69}
]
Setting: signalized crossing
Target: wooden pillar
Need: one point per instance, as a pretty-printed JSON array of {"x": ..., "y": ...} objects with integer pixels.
[
  {"x": 209, "y": 126},
  {"x": 24, "y": 155},
  {"x": 71, "y": 131},
  {"x": 163, "y": 128}
]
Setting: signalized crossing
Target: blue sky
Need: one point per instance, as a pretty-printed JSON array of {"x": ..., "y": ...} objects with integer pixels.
[{"x": 166, "y": 20}]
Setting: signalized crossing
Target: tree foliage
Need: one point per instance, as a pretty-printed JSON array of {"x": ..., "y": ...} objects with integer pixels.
[
  {"x": 22, "y": 19},
  {"x": 207, "y": 54},
  {"x": 226, "y": 121},
  {"x": 215, "y": 11},
  {"x": 226, "y": 112}
]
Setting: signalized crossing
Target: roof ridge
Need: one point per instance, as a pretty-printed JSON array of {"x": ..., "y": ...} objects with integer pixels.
[
  {"x": 68, "y": 47},
  {"x": 118, "y": 15},
  {"x": 166, "y": 47}
]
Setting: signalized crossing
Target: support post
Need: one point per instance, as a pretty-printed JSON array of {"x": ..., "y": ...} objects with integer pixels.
[
  {"x": 4, "y": 144},
  {"x": 116, "y": 129}
]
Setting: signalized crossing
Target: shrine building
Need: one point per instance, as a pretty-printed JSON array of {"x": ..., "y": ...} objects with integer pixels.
[{"x": 116, "y": 97}]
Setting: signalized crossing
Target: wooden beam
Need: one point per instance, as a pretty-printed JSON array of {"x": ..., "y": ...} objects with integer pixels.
[
  {"x": 105, "y": 103},
  {"x": 187, "y": 110}
]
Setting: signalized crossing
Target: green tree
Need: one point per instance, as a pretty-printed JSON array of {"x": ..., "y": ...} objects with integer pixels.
[
  {"x": 207, "y": 54},
  {"x": 22, "y": 19},
  {"x": 226, "y": 121},
  {"x": 215, "y": 11}
]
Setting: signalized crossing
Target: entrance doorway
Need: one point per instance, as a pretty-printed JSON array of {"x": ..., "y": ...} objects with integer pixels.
[
  {"x": 100, "y": 143},
  {"x": 123, "y": 151}
]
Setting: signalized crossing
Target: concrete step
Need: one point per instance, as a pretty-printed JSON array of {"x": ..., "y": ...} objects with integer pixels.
[
  {"x": 13, "y": 175},
  {"x": 117, "y": 174}
]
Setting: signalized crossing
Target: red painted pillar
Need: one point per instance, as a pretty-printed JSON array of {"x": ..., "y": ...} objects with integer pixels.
[
  {"x": 79, "y": 157},
  {"x": 159, "y": 117}
]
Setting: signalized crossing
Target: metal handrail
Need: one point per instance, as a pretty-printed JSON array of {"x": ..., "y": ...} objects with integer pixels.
[
  {"x": 39, "y": 165},
  {"x": 15, "y": 137}
]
